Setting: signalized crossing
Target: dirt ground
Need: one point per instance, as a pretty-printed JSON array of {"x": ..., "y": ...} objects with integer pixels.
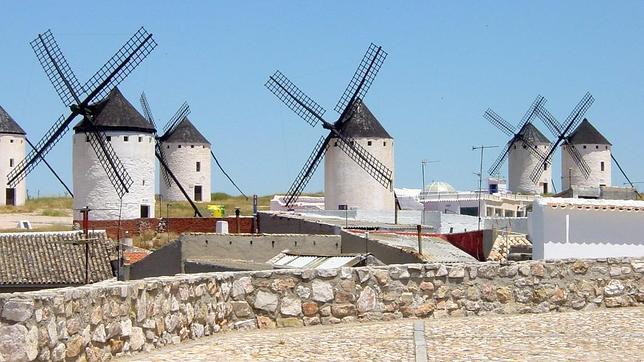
[{"x": 10, "y": 221}]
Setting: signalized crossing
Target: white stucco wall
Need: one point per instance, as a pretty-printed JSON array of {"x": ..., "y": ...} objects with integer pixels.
[
  {"x": 12, "y": 146},
  {"x": 92, "y": 187},
  {"x": 594, "y": 155},
  {"x": 577, "y": 228},
  {"x": 521, "y": 163},
  {"x": 345, "y": 182},
  {"x": 183, "y": 163}
]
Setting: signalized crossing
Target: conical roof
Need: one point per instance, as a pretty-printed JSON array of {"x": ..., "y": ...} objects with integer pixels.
[
  {"x": 586, "y": 133},
  {"x": 531, "y": 133},
  {"x": 8, "y": 125},
  {"x": 363, "y": 124},
  {"x": 115, "y": 112},
  {"x": 185, "y": 132}
]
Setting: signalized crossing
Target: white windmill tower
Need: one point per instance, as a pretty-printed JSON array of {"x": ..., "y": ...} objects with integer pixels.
[
  {"x": 132, "y": 139},
  {"x": 524, "y": 151},
  {"x": 345, "y": 182},
  {"x": 595, "y": 151},
  {"x": 12, "y": 151},
  {"x": 357, "y": 177}
]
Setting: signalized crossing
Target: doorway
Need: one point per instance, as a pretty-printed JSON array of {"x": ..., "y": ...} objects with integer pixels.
[
  {"x": 545, "y": 188},
  {"x": 11, "y": 197},
  {"x": 145, "y": 211},
  {"x": 198, "y": 195}
]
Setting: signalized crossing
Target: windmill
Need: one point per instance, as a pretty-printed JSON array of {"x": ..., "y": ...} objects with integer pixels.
[
  {"x": 526, "y": 148},
  {"x": 81, "y": 99},
  {"x": 350, "y": 105},
  {"x": 563, "y": 133},
  {"x": 167, "y": 175}
]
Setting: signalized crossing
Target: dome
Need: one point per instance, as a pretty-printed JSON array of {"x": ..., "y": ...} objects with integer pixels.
[{"x": 438, "y": 187}]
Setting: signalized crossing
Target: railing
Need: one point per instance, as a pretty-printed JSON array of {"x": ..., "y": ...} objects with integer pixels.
[{"x": 436, "y": 196}]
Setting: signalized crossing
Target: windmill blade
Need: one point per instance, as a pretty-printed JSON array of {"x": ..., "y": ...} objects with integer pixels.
[
  {"x": 162, "y": 160},
  {"x": 535, "y": 175},
  {"x": 362, "y": 78},
  {"x": 532, "y": 111},
  {"x": 494, "y": 169},
  {"x": 182, "y": 112},
  {"x": 578, "y": 160},
  {"x": 147, "y": 111},
  {"x": 119, "y": 66},
  {"x": 365, "y": 160},
  {"x": 167, "y": 169},
  {"x": 534, "y": 149},
  {"x": 499, "y": 122},
  {"x": 295, "y": 99},
  {"x": 69, "y": 191},
  {"x": 116, "y": 172},
  {"x": 226, "y": 174},
  {"x": 307, "y": 171},
  {"x": 550, "y": 121},
  {"x": 42, "y": 148},
  {"x": 57, "y": 69},
  {"x": 577, "y": 114}
]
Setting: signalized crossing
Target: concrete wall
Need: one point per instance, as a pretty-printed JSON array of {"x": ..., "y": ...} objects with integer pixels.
[
  {"x": 354, "y": 244},
  {"x": 346, "y": 183},
  {"x": 269, "y": 223},
  {"x": 594, "y": 155},
  {"x": 12, "y": 147},
  {"x": 565, "y": 228},
  {"x": 454, "y": 223},
  {"x": 182, "y": 161},
  {"x": 521, "y": 162},
  {"x": 99, "y": 321},
  {"x": 92, "y": 187},
  {"x": 164, "y": 261}
]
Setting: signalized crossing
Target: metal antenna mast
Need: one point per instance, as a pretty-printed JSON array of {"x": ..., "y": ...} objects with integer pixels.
[{"x": 482, "y": 148}]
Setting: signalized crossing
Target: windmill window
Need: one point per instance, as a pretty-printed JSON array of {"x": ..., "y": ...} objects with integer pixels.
[
  {"x": 140, "y": 139},
  {"x": 384, "y": 143},
  {"x": 168, "y": 146},
  {"x": 606, "y": 147},
  {"x": 198, "y": 166},
  {"x": 109, "y": 138},
  {"x": 10, "y": 141},
  {"x": 192, "y": 146},
  {"x": 143, "y": 182},
  {"x": 126, "y": 138},
  {"x": 179, "y": 146},
  {"x": 11, "y": 162},
  {"x": 86, "y": 138},
  {"x": 596, "y": 147},
  {"x": 524, "y": 147},
  {"x": 368, "y": 143},
  {"x": 602, "y": 165},
  {"x": 584, "y": 146},
  {"x": 545, "y": 166},
  {"x": 335, "y": 144}
]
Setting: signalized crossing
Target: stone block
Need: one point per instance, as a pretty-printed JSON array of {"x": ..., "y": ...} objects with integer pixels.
[
  {"x": 291, "y": 306},
  {"x": 289, "y": 322},
  {"x": 343, "y": 310},
  {"x": 322, "y": 291},
  {"x": 266, "y": 301},
  {"x": 17, "y": 310}
]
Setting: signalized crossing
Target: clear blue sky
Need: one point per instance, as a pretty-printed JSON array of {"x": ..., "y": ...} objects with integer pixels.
[{"x": 447, "y": 63}]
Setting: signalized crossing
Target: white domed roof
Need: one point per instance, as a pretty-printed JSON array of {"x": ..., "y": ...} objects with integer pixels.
[{"x": 439, "y": 186}]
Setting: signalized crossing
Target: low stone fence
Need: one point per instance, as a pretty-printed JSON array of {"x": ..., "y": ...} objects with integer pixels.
[{"x": 115, "y": 318}]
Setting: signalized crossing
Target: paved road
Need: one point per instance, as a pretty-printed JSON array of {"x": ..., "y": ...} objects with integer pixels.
[{"x": 616, "y": 334}]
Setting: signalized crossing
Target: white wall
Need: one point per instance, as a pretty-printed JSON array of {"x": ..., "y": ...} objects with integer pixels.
[
  {"x": 521, "y": 163},
  {"x": 92, "y": 187},
  {"x": 594, "y": 155},
  {"x": 345, "y": 182},
  {"x": 182, "y": 161},
  {"x": 578, "y": 228},
  {"x": 12, "y": 146}
]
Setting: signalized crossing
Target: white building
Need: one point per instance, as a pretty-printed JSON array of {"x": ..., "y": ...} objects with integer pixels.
[
  {"x": 187, "y": 153},
  {"x": 595, "y": 149},
  {"x": 132, "y": 138},
  {"x": 579, "y": 228},
  {"x": 345, "y": 182},
  {"x": 12, "y": 151},
  {"x": 522, "y": 160}
]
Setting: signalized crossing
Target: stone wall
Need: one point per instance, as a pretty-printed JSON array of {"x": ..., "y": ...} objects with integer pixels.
[{"x": 115, "y": 318}]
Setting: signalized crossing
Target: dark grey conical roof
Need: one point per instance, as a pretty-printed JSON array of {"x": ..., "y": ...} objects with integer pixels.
[
  {"x": 531, "y": 133},
  {"x": 362, "y": 123},
  {"x": 115, "y": 112},
  {"x": 586, "y": 133},
  {"x": 185, "y": 132},
  {"x": 8, "y": 125}
]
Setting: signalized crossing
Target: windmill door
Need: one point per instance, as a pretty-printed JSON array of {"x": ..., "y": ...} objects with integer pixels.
[
  {"x": 198, "y": 196},
  {"x": 11, "y": 197},
  {"x": 145, "y": 211}
]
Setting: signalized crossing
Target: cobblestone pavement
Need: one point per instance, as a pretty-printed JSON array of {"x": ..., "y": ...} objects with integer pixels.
[{"x": 616, "y": 334}]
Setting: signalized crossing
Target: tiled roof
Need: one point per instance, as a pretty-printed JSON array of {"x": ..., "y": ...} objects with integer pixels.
[
  {"x": 185, "y": 132},
  {"x": 53, "y": 258},
  {"x": 363, "y": 124},
  {"x": 115, "y": 112},
  {"x": 8, "y": 124}
]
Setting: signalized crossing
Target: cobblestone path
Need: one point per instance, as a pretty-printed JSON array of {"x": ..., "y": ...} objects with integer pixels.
[{"x": 614, "y": 334}]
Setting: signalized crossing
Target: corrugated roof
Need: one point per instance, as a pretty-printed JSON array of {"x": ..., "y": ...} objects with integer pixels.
[
  {"x": 285, "y": 260},
  {"x": 363, "y": 124},
  {"x": 8, "y": 124},
  {"x": 115, "y": 112},
  {"x": 52, "y": 258},
  {"x": 185, "y": 132},
  {"x": 531, "y": 133},
  {"x": 586, "y": 133}
]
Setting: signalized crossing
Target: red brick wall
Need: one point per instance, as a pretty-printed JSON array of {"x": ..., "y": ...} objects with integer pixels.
[{"x": 175, "y": 224}]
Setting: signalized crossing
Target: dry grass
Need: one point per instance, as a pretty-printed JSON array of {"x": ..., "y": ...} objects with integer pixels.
[
  {"x": 46, "y": 206},
  {"x": 57, "y": 227},
  {"x": 152, "y": 240}
]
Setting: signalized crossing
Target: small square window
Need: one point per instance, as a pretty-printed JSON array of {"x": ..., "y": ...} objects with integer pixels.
[
  {"x": 168, "y": 146},
  {"x": 10, "y": 141},
  {"x": 602, "y": 165},
  {"x": 335, "y": 144},
  {"x": 179, "y": 146},
  {"x": 384, "y": 143},
  {"x": 596, "y": 147},
  {"x": 109, "y": 138},
  {"x": 86, "y": 138},
  {"x": 584, "y": 146},
  {"x": 143, "y": 182},
  {"x": 140, "y": 139},
  {"x": 368, "y": 143},
  {"x": 126, "y": 138},
  {"x": 11, "y": 162},
  {"x": 192, "y": 146},
  {"x": 198, "y": 166}
]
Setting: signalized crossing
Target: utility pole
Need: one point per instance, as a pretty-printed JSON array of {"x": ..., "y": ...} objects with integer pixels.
[
  {"x": 482, "y": 148},
  {"x": 423, "y": 163}
]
